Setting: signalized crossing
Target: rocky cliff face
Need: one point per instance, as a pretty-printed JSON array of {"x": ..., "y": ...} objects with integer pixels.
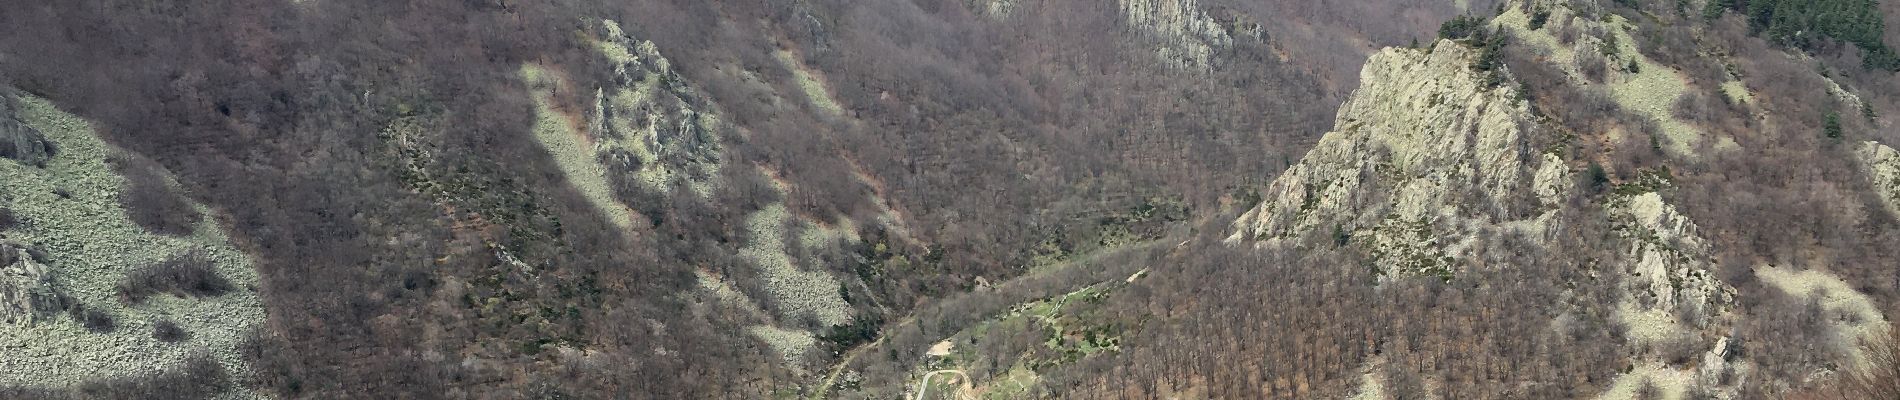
[
  {"x": 1189, "y": 37},
  {"x": 1422, "y": 154},
  {"x": 26, "y": 290},
  {"x": 1432, "y": 164},
  {"x": 19, "y": 141},
  {"x": 1883, "y": 171}
]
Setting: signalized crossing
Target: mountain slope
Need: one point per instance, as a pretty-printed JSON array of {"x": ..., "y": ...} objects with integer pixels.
[{"x": 1041, "y": 198}]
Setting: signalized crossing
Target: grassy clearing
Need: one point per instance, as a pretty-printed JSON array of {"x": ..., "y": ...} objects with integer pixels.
[
  {"x": 93, "y": 246},
  {"x": 1014, "y": 384},
  {"x": 1371, "y": 384},
  {"x": 1737, "y": 92},
  {"x": 1648, "y": 325}
]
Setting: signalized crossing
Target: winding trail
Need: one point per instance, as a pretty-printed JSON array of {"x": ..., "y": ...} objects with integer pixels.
[
  {"x": 844, "y": 362},
  {"x": 924, "y": 385},
  {"x": 838, "y": 369}
]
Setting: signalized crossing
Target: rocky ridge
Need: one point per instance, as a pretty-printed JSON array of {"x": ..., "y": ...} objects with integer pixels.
[
  {"x": 1423, "y": 152},
  {"x": 1429, "y": 165},
  {"x": 1190, "y": 38}
]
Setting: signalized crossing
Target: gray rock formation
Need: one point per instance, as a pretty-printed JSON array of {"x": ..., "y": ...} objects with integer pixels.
[
  {"x": 19, "y": 142},
  {"x": 651, "y": 126},
  {"x": 26, "y": 290},
  {"x": 1883, "y": 170},
  {"x": 1428, "y": 165},
  {"x": 1423, "y": 153}
]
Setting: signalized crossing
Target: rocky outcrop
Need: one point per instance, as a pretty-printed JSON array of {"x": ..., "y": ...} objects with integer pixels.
[
  {"x": 1431, "y": 161},
  {"x": 1668, "y": 285},
  {"x": 26, "y": 286},
  {"x": 651, "y": 125},
  {"x": 1883, "y": 171},
  {"x": 19, "y": 142},
  {"x": 1189, "y": 37},
  {"x": 647, "y": 133},
  {"x": 1423, "y": 152},
  {"x": 1426, "y": 158}
]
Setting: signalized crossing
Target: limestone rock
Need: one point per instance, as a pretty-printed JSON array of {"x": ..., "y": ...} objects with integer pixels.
[
  {"x": 651, "y": 125},
  {"x": 1432, "y": 161},
  {"x": 1423, "y": 150},
  {"x": 20, "y": 142},
  {"x": 1883, "y": 170},
  {"x": 1669, "y": 262},
  {"x": 26, "y": 286},
  {"x": 1189, "y": 37}
]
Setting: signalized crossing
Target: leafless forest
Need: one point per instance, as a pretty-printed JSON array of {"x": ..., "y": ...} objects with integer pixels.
[{"x": 1000, "y": 140}]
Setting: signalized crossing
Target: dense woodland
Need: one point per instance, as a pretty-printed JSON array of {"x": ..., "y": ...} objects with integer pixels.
[{"x": 1004, "y": 140}]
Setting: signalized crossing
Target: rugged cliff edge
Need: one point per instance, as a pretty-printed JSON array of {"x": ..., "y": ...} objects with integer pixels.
[
  {"x": 1425, "y": 152},
  {"x": 1434, "y": 167},
  {"x": 1883, "y": 171}
]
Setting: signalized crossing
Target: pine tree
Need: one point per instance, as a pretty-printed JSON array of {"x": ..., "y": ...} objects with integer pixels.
[
  {"x": 1715, "y": 8},
  {"x": 1833, "y": 126}
]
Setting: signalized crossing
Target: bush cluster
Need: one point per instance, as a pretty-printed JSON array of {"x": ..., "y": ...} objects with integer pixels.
[
  {"x": 185, "y": 275},
  {"x": 150, "y": 202}
]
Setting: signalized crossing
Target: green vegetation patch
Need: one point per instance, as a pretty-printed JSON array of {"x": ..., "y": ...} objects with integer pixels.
[
  {"x": 1064, "y": 328},
  {"x": 1647, "y": 180},
  {"x": 1806, "y": 23}
]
